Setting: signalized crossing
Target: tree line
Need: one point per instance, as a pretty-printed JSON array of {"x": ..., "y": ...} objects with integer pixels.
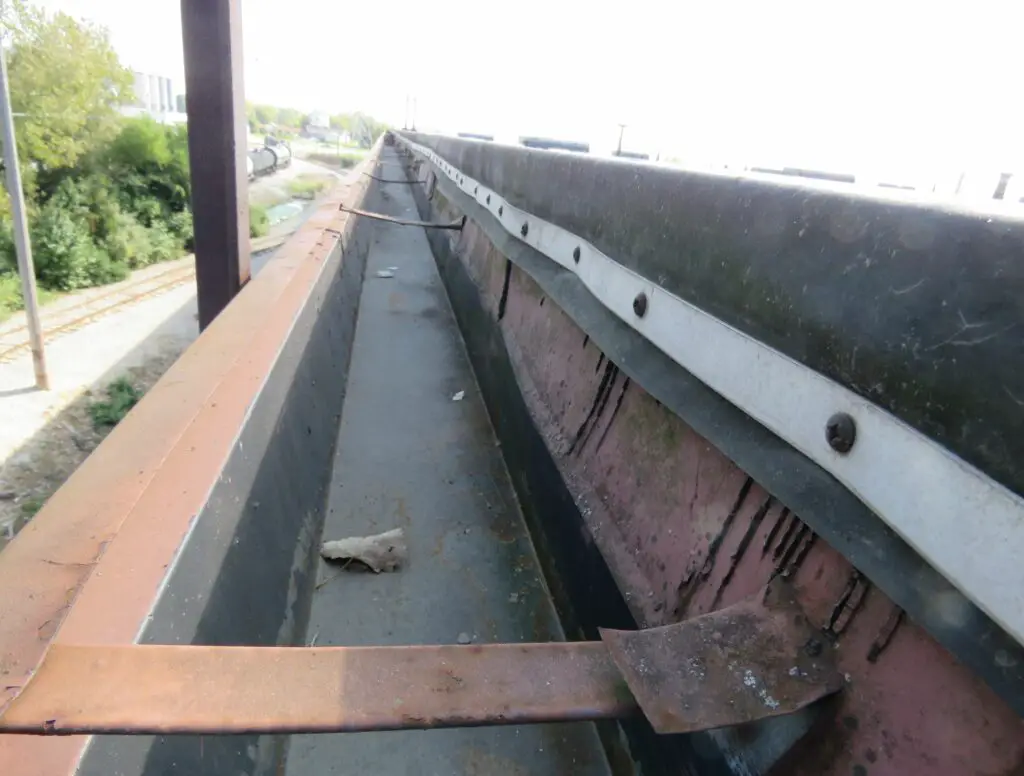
[
  {"x": 267, "y": 119},
  {"x": 105, "y": 194}
]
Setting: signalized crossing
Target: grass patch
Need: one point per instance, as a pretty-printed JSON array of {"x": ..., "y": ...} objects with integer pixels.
[
  {"x": 341, "y": 161},
  {"x": 306, "y": 186},
  {"x": 259, "y": 221},
  {"x": 30, "y": 506},
  {"x": 11, "y": 300},
  {"x": 121, "y": 397}
]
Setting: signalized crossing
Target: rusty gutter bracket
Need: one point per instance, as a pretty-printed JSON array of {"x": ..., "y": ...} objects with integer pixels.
[
  {"x": 757, "y": 659},
  {"x": 454, "y": 225}
]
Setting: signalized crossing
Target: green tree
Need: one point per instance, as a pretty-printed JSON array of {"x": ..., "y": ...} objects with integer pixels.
[
  {"x": 365, "y": 129},
  {"x": 67, "y": 83},
  {"x": 289, "y": 117},
  {"x": 341, "y": 122},
  {"x": 264, "y": 114}
]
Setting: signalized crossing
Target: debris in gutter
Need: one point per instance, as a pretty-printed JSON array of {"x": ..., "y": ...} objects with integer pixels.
[
  {"x": 385, "y": 273},
  {"x": 459, "y": 396},
  {"x": 381, "y": 552}
]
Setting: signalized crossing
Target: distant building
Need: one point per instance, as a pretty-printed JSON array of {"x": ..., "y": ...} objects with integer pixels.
[{"x": 154, "y": 96}]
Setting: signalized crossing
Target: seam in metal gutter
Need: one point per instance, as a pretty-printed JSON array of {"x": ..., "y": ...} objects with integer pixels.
[{"x": 967, "y": 526}]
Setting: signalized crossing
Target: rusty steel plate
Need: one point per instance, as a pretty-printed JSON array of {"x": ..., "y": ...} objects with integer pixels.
[
  {"x": 210, "y": 690},
  {"x": 758, "y": 658}
]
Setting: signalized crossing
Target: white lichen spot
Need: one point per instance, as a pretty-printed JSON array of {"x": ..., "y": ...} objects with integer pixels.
[{"x": 751, "y": 681}]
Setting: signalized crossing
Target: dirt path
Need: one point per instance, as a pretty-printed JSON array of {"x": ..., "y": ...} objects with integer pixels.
[{"x": 46, "y": 461}]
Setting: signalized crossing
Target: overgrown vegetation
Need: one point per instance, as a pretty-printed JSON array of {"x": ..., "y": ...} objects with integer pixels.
[
  {"x": 342, "y": 161},
  {"x": 10, "y": 295},
  {"x": 360, "y": 130},
  {"x": 306, "y": 186},
  {"x": 121, "y": 397},
  {"x": 259, "y": 221},
  {"x": 104, "y": 194}
]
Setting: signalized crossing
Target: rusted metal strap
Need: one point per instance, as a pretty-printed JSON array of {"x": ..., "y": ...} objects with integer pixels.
[
  {"x": 172, "y": 689},
  {"x": 754, "y": 660},
  {"x": 456, "y": 225},
  {"x": 390, "y": 180}
]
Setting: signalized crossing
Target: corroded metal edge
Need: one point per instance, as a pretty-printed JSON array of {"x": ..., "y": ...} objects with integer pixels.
[
  {"x": 755, "y": 659},
  {"x": 216, "y": 690}
]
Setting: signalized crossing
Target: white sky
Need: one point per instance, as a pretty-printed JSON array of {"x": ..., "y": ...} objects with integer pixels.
[{"x": 909, "y": 84}]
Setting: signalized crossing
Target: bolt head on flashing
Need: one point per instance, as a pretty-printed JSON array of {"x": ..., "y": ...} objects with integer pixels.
[
  {"x": 640, "y": 305},
  {"x": 576, "y": 254},
  {"x": 525, "y": 229},
  {"x": 841, "y": 432}
]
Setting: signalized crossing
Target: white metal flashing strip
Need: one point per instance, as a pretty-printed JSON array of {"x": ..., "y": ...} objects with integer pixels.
[{"x": 967, "y": 526}]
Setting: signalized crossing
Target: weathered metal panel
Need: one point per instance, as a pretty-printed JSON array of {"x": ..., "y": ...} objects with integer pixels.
[
  {"x": 828, "y": 507},
  {"x": 925, "y": 504},
  {"x": 683, "y": 530},
  {"x": 894, "y": 298}
]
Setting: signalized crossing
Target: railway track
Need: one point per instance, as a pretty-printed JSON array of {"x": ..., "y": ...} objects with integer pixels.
[
  {"x": 73, "y": 317},
  {"x": 87, "y": 311}
]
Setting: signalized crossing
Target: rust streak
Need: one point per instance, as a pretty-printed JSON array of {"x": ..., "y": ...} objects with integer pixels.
[
  {"x": 896, "y": 617},
  {"x": 789, "y": 537},
  {"x": 787, "y": 554},
  {"x": 503, "y": 301},
  {"x": 734, "y": 560},
  {"x": 854, "y": 607},
  {"x": 610, "y": 372},
  {"x": 779, "y": 521},
  {"x": 800, "y": 556},
  {"x": 689, "y": 586},
  {"x": 851, "y": 583},
  {"x": 615, "y": 412}
]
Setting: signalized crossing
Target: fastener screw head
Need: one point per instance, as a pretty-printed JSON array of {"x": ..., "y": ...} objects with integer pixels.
[
  {"x": 640, "y": 305},
  {"x": 841, "y": 432}
]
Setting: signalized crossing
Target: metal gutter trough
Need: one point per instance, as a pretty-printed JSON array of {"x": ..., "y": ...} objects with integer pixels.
[{"x": 750, "y": 661}]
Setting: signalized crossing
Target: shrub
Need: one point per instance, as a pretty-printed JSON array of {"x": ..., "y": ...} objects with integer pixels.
[
  {"x": 163, "y": 245},
  {"x": 180, "y": 225},
  {"x": 65, "y": 255},
  {"x": 306, "y": 187},
  {"x": 259, "y": 222},
  {"x": 121, "y": 397},
  {"x": 344, "y": 161},
  {"x": 11, "y": 299},
  {"x": 128, "y": 244},
  {"x": 10, "y": 294}
]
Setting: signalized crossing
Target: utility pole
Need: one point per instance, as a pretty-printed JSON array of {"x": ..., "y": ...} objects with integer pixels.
[
  {"x": 622, "y": 128},
  {"x": 22, "y": 245}
]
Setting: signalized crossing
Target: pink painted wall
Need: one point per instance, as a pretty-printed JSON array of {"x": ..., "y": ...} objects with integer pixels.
[{"x": 685, "y": 531}]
